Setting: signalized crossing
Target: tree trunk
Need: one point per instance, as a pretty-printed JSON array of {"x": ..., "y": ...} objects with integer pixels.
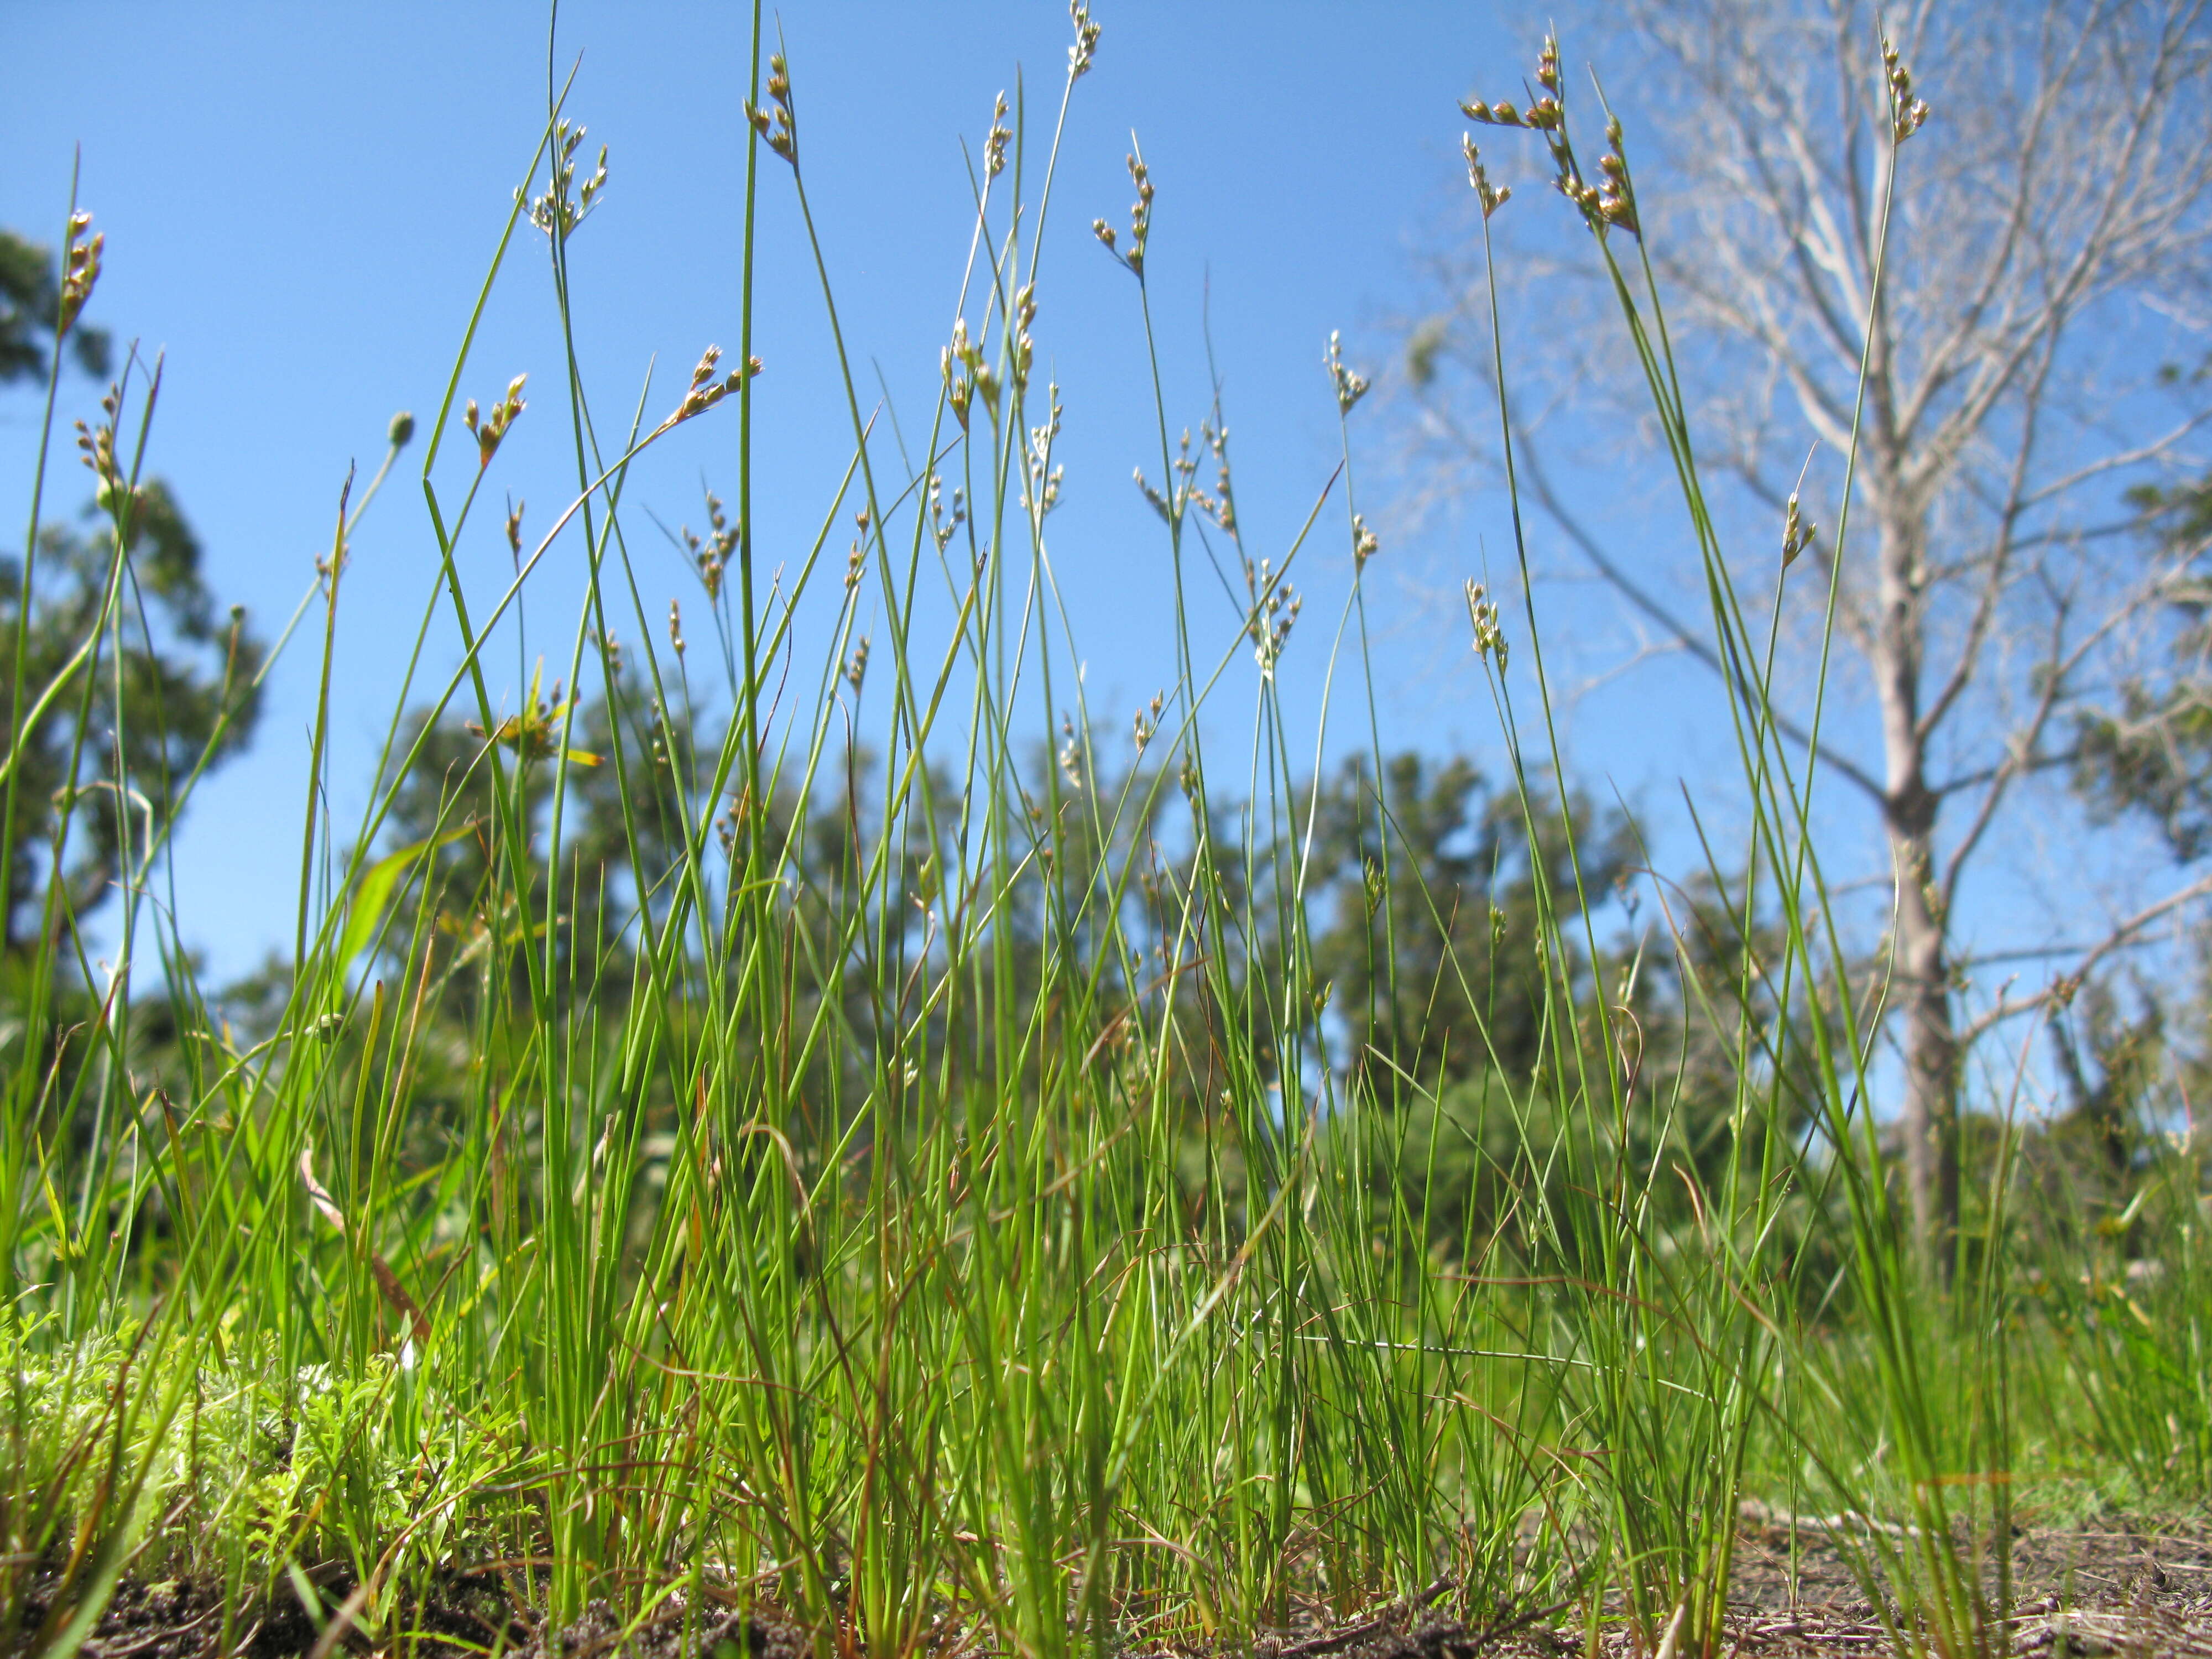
[
  {"x": 1920, "y": 966},
  {"x": 1930, "y": 1118}
]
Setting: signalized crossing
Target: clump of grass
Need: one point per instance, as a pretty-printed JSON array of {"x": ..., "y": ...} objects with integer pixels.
[{"x": 927, "y": 1189}]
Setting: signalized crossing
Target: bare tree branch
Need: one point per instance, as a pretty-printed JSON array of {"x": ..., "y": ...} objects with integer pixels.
[
  {"x": 1679, "y": 632},
  {"x": 2120, "y": 937}
]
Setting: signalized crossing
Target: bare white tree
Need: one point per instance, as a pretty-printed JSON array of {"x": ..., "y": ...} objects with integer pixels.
[{"x": 2050, "y": 251}]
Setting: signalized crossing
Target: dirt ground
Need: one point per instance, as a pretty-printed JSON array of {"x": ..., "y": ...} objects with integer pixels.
[{"x": 2112, "y": 1587}]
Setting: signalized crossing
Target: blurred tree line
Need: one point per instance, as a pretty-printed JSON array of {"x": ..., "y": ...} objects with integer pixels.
[
  {"x": 177, "y": 689},
  {"x": 1415, "y": 977}
]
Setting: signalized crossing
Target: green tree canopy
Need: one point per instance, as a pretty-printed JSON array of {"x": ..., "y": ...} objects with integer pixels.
[
  {"x": 2151, "y": 753},
  {"x": 172, "y": 689},
  {"x": 120, "y": 678}
]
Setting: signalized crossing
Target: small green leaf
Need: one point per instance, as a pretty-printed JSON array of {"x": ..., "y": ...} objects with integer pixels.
[{"x": 374, "y": 892}]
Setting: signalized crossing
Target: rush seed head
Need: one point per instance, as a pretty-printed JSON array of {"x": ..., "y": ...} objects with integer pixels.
[
  {"x": 564, "y": 206},
  {"x": 1071, "y": 752},
  {"x": 1482, "y": 612},
  {"x": 80, "y": 273},
  {"x": 712, "y": 553},
  {"x": 1159, "y": 501},
  {"x": 1080, "y": 54},
  {"x": 1797, "y": 535},
  {"x": 1351, "y": 385},
  {"x": 994, "y": 146},
  {"x": 96, "y": 449},
  {"x": 944, "y": 521},
  {"x": 1221, "y": 505},
  {"x": 705, "y": 391},
  {"x": 780, "y": 129},
  {"x": 1907, "y": 114},
  {"x": 489, "y": 430},
  {"x": 1493, "y": 197},
  {"x": 1140, "y": 219},
  {"x": 1041, "y": 463},
  {"x": 1609, "y": 204},
  {"x": 1271, "y": 625}
]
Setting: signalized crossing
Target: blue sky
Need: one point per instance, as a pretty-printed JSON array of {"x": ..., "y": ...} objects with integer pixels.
[{"x": 301, "y": 202}]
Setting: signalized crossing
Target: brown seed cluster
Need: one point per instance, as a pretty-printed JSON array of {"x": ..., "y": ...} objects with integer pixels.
[
  {"x": 1159, "y": 501},
  {"x": 782, "y": 131},
  {"x": 96, "y": 446},
  {"x": 1351, "y": 385},
  {"x": 711, "y": 552},
  {"x": 961, "y": 363},
  {"x": 1907, "y": 114},
  {"x": 1025, "y": 352},
  {"x": 994, "y": 147},
  {"x": 1221, "y": 505},
  {"x": 1493, "y": 197},
  {"x": 1140, "y": 219},
  {"x": 1147, "y": 722},
  {"x": 1079, "y": 55},
  {"x": 1178, "y": 495},
  {"x": 1482, "y": 612},
  {"x": 1544, "y": 114},
  {"x": 80, "y": 271},
  {"x": 489, "y": 430},
  {"x": 1797, "y": 533},
  {"x": 944, "y": 521},
  {"x": 564, "y": 206},
  {"x": 705, "y": 391},
  {"x": 1274, "y": 613},
  {"x": 1609, "y": 203},
  {"x": 1071, "y": 752},
  {"x": 1042, "y": 468}
]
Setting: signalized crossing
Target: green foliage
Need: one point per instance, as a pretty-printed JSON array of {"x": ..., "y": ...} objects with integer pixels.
[
  {"x": 98, "y": 780},
  {"x": 1431, "y": 944},
  {"x": 2153, "y": 754}
]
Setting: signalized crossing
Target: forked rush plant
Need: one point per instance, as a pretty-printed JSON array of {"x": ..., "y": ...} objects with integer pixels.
[
  {"x": 1674, "y": 1348},
  {"x": 1676, "y": 1449}
]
